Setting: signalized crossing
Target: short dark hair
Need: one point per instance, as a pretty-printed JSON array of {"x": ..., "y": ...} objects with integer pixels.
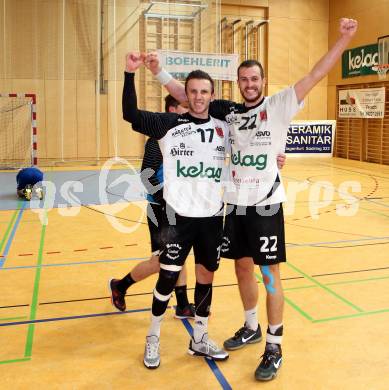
[
  {"x": 200, "y": 75},
  {"x": 250, "y": 64},
  {"x": 170, "y": 101}
]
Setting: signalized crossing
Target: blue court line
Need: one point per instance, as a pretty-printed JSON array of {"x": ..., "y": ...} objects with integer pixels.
[
  {"x": 291, "y": 245},
  {"x": 75, "y": 263},
  {"x": 12, "y": 235},
  {"x": 211, "y": 363},
  {"x": 112, "y": 313}
]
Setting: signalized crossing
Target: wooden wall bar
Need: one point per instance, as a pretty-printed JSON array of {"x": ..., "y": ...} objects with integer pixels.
[{"x": 50, "y": 47}]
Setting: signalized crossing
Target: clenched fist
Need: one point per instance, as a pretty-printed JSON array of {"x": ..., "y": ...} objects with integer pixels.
[
  {"x": 348, "y": 27},
  {"x": 133, "y": 61},
  {"x": 152, "y": 63}
]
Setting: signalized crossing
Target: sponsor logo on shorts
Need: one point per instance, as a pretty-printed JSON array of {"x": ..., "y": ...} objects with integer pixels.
[
  {"x": 225, "y": 247},
  {"x": 173, "y": 251}
]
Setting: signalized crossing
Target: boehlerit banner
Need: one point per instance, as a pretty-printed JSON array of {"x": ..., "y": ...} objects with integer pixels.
[
  {"x": 218, "y": 66},
  {"x": 362, "y": 103},
  {"x": 311, "y": 138}
]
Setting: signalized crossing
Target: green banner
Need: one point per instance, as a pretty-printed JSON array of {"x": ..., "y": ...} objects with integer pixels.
[{"x": 359, "y": 61}]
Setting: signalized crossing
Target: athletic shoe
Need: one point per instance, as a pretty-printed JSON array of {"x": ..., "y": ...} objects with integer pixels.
[
  {"x": 117, "y": 297},
  {"x": 151, "y": 358},
  {"x": 242, "y": 337},
  {"x": 270, "y": 364},
  {"x": 39, "y": 193},
  {"x": 207, "y": 348},
  {"x": 187, "y": 312},
  {"x": 28, "y": 192}
]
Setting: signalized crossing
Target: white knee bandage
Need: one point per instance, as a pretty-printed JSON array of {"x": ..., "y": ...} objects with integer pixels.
[{"x": 160, "y": 297}]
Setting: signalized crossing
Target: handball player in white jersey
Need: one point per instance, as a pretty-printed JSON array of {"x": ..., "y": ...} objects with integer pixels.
[
  {"x": 193, "y": 150},
  {"x": 254, "y": 227}
]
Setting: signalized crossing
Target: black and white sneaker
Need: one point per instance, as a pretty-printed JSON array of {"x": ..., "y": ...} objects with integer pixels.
[
  {"x": 270, "y": 364},
  {"x": 207, "y": 348},
  {"x": 242, "y": 337}
]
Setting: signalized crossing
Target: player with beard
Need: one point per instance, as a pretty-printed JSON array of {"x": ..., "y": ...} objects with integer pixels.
[{"x": 254, "y": 226}]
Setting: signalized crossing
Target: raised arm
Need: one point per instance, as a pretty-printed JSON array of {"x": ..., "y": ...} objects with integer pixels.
[
  {"x": 129, "y": 100},
  {"x": 153, "y": 124},
  {"x": 347, "y": 29},
  {"x": 173, "y": 86}
]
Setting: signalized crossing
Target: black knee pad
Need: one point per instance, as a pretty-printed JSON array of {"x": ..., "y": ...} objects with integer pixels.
[
  {"x": 166, "y": 281},
  {"x": 165, "y": 286}
]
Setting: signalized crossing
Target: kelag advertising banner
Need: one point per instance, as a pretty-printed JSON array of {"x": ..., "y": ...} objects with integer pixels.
[
  {"x": 311, "y": 138},
  {"x": 359, "y": 61}
]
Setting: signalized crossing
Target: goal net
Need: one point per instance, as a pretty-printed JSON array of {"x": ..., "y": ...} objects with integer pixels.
[{"x": 17, "y": 131}]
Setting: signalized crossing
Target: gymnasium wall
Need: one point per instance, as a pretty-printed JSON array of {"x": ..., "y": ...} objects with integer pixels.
[
  {"x": 362, "y": 139},
  {"x": 368, "y": 32},
  {"x": 51, "y": 48},
  {"x": 298, "y": 33}
]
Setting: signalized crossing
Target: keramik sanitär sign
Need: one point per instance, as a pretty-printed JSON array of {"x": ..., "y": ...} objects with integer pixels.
[{"x": 311, "y": 138}]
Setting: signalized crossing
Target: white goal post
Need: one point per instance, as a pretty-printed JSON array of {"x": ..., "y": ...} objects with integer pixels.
[{"x": 18, "y": 131}]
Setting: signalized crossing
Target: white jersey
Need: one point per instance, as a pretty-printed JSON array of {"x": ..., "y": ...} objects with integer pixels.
[
  {"x": 194, "y": 166},
  {"x": 193, "y": 153},
  {"x": 257, "y": 135}
]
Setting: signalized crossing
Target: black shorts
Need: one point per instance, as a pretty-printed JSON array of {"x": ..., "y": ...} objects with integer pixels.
[
  {"x": 203, "y": 234},
  {"x": 253, "y": 232},
  {"x": 154, "y": 221}
]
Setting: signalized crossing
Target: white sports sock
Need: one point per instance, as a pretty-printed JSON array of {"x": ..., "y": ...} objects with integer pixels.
[
  {"x": 251, "y": 318},
  {"x": 200, "y": 328},
  {"x": 271, "y": 338},
  {"x": 155, "y": 326},
  {"x": 273, "y": 328}
]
